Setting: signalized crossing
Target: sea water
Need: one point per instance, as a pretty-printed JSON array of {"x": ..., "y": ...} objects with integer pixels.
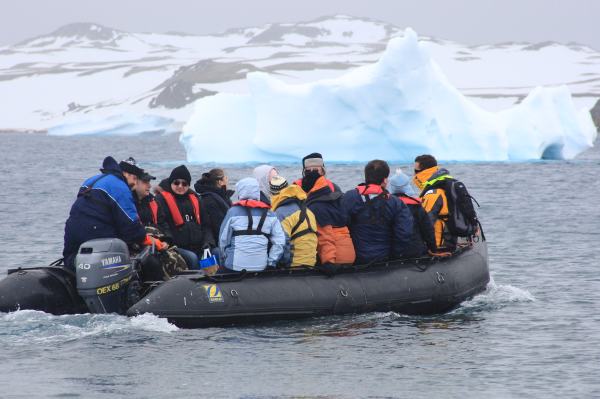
[{"x": 535, "y": 331}]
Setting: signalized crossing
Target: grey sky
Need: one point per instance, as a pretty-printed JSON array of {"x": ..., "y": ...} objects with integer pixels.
[{"x": 466, "y": 21}]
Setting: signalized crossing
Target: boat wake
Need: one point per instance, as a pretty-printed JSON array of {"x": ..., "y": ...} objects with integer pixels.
[
  {"x": 495, "y": 296},
  {"x": 31, "y": 326}
]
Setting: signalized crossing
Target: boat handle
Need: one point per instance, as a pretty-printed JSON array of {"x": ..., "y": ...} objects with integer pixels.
[
  {"x": 344, "y": 292},
  {"x": 234, "y": 293},
  {"x": 440, "y": 277}
]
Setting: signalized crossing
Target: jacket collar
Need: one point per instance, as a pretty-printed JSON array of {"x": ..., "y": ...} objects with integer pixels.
[
  {"x": 421, "y": 178},
  {"x": 288, "y": 194}
]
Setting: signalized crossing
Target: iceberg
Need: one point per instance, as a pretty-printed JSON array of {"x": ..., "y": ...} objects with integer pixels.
[
  {"x": 394, "y": 109},
  {"x": 115, "y": 125}
]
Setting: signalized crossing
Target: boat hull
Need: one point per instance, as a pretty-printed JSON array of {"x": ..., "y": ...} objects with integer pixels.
[
  {"x": 426, "y": 286},
  {"x": 48, "y": 289}
]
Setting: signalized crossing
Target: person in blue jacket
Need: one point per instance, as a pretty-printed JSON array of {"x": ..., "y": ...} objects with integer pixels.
[
  {"x": 380, "y": 224},
  {"x": 104, "y": 208},
  {"x": 251, "y": 236}
]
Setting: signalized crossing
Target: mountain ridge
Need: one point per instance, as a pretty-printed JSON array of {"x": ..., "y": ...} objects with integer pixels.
[{"x": 106, "y": 71}]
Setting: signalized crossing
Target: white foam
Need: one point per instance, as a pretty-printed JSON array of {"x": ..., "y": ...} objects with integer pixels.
[
  {"x": 26, "y": 326},
  {"x": 498, "y": 295}
]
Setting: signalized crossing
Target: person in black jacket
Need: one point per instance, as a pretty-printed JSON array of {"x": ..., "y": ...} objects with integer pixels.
[
  {"x": 216, "y": 198},
  {"x": 152, "y": 216},
  {"x": 422, "y": 239},
  {"x": 186, "y": 216}
]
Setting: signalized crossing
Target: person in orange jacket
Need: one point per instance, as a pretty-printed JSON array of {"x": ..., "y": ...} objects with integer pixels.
[
  {"x": 324, "y": 200},
  {"x": 434, "y": 200}
]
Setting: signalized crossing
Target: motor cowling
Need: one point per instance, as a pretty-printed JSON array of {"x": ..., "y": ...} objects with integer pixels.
[{"x": 105, "y": 275}]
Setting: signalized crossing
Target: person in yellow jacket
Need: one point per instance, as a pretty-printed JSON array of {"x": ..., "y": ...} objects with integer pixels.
[
  {"x": 298, "y": 222},
  {"x": 434, "y": 200}
]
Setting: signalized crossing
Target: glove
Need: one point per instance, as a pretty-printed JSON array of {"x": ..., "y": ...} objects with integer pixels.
[{"x": 160, "y": 246}]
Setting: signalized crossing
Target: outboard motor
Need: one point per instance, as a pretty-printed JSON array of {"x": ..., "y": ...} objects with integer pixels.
[{"x": 106, "y": 277}]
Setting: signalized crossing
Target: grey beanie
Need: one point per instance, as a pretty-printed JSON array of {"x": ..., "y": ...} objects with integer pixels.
[{"x": 400, "y": 184}]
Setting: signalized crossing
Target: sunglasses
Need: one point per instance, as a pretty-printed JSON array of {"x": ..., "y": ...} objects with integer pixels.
[{"x": 180, "y": 183}]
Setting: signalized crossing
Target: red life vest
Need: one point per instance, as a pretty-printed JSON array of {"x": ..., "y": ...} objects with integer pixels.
[
  {"x": 372, "y": 189},
  {"x": 174, "y": 210},
  {"x": 410, "y": 200},
  {"x": 154, "y": 211},
  {"x": 250, "y": 203}
]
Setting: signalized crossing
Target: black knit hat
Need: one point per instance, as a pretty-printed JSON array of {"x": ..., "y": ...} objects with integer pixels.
[
  {"x": 313, "y": 160},
  {"x": 129, "y": 165},
  {"x": 180, "y": 172}
]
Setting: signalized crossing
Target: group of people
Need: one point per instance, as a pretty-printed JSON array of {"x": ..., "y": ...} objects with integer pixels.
[{"x": 273, "y": 223}]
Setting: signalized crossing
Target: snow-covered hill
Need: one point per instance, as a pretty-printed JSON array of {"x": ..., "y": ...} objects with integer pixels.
[{"x": 82, "y": 75}]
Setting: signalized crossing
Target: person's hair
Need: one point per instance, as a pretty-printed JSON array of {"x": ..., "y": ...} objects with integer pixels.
[
  {"x": 376, "y": 171},
  {"x": 211, "y": 177},
  {"x": 426, "y": 161}
]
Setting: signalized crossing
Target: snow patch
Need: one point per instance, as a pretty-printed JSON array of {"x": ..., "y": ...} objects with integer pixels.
[
  {"x": 399, "y": 107},
  {"x": 124, "y": 125}
]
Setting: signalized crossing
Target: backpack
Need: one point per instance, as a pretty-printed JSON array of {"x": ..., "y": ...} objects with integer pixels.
[{"x": 462, "y": 219}]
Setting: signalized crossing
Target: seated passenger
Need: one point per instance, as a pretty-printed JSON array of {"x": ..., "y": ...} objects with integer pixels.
[
  {"x": 151, "y": 215},
  {"x": 380, "y": 224},
  {"x": 298, "y": 222},
  {"x": 313, "y": 168},
  {"x": 169, "y": 262},
  {"x": 212, "y": 188},
  {"x": 188, "y": 221},
  {"x": 263, "y": 174},
  {"x": 334, "y": 241},
  {"x": 251, "y": 237},
  {"x": 435, "y": 202},
  {"x": 422, "y": 238}
]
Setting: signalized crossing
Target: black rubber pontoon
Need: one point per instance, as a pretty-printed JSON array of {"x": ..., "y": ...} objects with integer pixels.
[
  {"x": 49, "y": 289},
  {"x": 423, "y": 286}
]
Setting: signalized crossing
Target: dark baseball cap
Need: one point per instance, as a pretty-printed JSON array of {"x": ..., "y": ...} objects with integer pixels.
[{"x": 146, "y": 176}]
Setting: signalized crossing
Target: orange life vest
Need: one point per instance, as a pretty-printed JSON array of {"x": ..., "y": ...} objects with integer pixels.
[
  {"x": 250, "y": 203},
  {"x": 154, "y": 211},
  {"x": 324, "y": 182},
  {"x": 174, "y": 209}
]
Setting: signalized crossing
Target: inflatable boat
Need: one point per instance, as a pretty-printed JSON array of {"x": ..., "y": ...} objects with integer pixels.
[{"x": 105, "y": 281}]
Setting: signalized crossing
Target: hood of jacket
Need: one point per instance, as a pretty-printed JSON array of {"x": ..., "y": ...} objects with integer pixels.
[
  {"x": 248, "y": 189},
  {"x": 203, "y": 188},
  {"x": 421, "y": 178},
  {"x": 290, "y": 192},
  {"x": 109, "y": 165},
  {"x": 261, "y": 174},
  {"x": 165, "y": 185},
  {"x": 400, "y": 183}
]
